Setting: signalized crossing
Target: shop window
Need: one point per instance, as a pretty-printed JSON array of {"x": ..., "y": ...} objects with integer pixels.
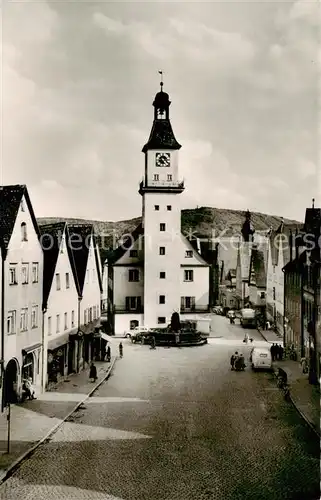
[{"x": 28, "y": 366}]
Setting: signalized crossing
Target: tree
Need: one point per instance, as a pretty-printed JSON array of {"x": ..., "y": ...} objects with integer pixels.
[{"x": 175, "y": 322}]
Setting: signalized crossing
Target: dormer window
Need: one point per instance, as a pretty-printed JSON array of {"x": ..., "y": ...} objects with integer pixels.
[{"x": 24, "y": 232}]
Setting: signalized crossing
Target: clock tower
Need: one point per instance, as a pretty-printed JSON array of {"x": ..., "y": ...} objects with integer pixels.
[{"x": 161, "y": 218}]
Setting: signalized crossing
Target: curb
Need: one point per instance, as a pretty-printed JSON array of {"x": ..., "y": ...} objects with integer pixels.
[
  {"x": 11, "y": 469},
  {"x": 300, "y": 412},
  {"x": 260, "y": 332}
]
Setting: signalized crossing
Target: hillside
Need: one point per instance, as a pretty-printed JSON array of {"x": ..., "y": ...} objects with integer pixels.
[{"x": 201, "y": 221}]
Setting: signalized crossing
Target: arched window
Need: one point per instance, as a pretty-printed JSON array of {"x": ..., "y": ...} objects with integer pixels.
[{"x": 24, "y": 231}]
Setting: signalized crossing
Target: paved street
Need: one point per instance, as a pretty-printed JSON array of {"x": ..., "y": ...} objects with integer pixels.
[{"x": 177, "y": 424}]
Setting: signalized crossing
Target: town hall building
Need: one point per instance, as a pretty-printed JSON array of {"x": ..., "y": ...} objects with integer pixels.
[{"x": 156, "y": 270}]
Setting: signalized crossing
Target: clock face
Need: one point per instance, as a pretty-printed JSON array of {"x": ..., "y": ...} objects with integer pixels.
[{"x": 163, "y": 159}]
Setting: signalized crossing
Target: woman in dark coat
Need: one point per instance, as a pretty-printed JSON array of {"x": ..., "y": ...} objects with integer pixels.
[
  {"x": 108, "y": 353},
  {"x": 93, "y": 372}
]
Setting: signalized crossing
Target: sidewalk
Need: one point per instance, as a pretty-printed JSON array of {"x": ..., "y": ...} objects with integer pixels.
[
  {"x": 32, "y": 421},
  {"x": 304, "y": 396},
  {"x": 271, "y": 336}
]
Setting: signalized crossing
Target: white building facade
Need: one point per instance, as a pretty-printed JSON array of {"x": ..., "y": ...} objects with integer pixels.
[
  {"x": 21, "y": 292},
  {"x": 157, "y": 271}
]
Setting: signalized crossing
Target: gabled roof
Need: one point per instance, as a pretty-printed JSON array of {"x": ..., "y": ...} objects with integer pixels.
[
  {"x": 10, "y": 199},
  {"x": 98, "y": 262},
  {"x": 204, "y": 246},
  {"x": 51, "y": 236},
  {"x": 283, "y": 242},
  {"x": 258, "y": 266},
  {"x": 126, "y": 245},
  {"x": 78, "y": 243}
]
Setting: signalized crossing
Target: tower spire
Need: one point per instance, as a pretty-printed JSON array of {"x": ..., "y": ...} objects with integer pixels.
[{"x": 161, "y": 82}]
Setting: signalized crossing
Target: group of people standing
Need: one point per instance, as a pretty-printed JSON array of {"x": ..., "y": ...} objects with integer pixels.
[
  {"x": 237, "y": 361},
  {"x": 277, "y": 352}
]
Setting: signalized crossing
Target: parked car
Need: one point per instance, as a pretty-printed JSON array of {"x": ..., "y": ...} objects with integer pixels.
[
  {"x": 260, "y": 357},
  {"x": 218, "y": 310},
  {"x": 135, "y": 331}
]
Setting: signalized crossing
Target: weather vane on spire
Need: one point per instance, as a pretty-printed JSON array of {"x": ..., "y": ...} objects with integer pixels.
[{"x": 161, "y": 82}]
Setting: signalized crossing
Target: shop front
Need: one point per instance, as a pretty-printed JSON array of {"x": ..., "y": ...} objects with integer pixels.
[
  {"x": 57, "y": 358},
  {"x": 31, "y": 363}
]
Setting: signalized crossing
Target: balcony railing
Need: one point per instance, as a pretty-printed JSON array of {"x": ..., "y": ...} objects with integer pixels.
[
  {"x": 174, "y": 185},
  {"x": 128, "y": 310},
  {"x": 195, "y": 309}
]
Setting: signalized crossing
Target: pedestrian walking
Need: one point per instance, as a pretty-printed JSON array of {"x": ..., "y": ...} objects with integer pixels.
[
  {"x": 93, "y": 373},
  {"x": 108, "y": 353},
  {"x": 233, "y": 359},
  {"x": 273, "y": 352},
  {"x": 277, "y": 352},
  {"x": 281, "y": 352},
  {"x": 120, "y": 349},
  {"x": 153, "y": 343}
]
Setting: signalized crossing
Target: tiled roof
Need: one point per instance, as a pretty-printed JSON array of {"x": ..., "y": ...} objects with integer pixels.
[
  {"x": 10, "y": 199},
  {"x": 126, "y": 245},
  {"x": 78, "y": 242},
  {"x": 51, "y": 235}
]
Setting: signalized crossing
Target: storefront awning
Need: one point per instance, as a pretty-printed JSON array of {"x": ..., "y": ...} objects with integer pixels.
[
  {"x": 31, "y": 348},
  {"x": 58, "y": 341}
]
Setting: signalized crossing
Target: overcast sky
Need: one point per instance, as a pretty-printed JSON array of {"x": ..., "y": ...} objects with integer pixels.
[{"x": 79, "y": 81}]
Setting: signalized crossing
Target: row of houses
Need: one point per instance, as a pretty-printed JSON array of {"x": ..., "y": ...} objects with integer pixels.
[
  {"x": 278, "y": 273},
  {"x": 50, "y": 295}
]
